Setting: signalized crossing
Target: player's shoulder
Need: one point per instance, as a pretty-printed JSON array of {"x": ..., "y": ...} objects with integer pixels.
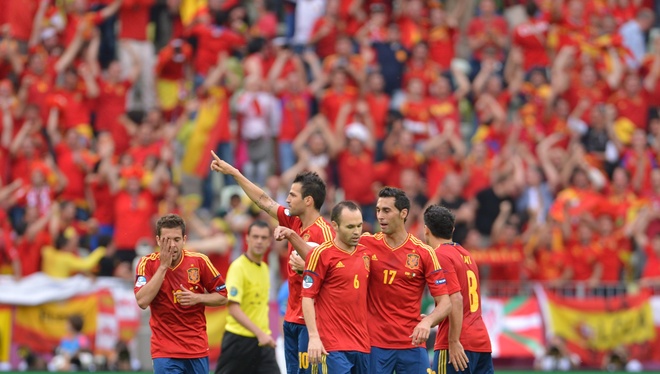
[
  {"x": 151, "y": 257},
  {"x": 367, "y": 236},
  {"x": 416, "y": 242},
  {"x": 196, "y": 256},
  {"x": 321, "y": 253},
  {"x": 322, "y": 227}
]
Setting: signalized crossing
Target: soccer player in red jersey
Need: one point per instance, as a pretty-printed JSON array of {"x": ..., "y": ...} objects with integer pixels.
[
  {"x": 303, "y": 216},
  {"x": 462, "y": 343},
  {"x": 178, "y": 285},
  {"x": 335, "y": 272},
  {"x": 401, "y": 267}
]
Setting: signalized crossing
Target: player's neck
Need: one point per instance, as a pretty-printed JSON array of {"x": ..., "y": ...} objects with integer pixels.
[
  {"x": 343, "y": 246},
  {"x": 436, "y": 242},
  {"x": 308, "y": 217},
  {"x": 396, "y": 239}
]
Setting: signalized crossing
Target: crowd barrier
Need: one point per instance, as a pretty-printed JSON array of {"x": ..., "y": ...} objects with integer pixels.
[{"x": 34, "y": 313}]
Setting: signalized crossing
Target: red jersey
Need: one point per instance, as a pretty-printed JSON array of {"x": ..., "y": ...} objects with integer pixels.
[
  {"x": 635, "y": 108},
  {"x": 134, "y": 16},
  {"x": 179, "y": 331},
  {"x": 333, "y": 100},
  {"x": 358, "y": 190},
  {"x": 111, "y": 104},
  {"x": 295, "y": 113},
  {"x": 531, "y": 38},
  {"x": 133, "y": 218},
  {"x": 462, "y": 276},
  {"x": 441, "y": 45},
  {"x": 396, "y": 286},
  {"x": 332, "y": 276},
  {"x": 379, "y": 105},
  {"x": 319, "y": 232}
]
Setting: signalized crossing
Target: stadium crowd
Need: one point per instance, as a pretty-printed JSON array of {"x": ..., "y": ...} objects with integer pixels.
[{"x": 536, "y": 122}]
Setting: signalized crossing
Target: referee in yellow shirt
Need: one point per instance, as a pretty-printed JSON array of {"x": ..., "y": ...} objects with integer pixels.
[{"x": 247, "y": 346}]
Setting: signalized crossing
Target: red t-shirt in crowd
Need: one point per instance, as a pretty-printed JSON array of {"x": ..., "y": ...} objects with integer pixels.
[
  {"x": 134, "y": 16},
  {"x": 332, "y": 101},
  {"x": 211, "y": 40},
  {"x": 319, "y": 232},
  {"x": 295, "y": 113},
  {"x": 635, "y": 108},
  {"x": 417, "y": 118},
  {"x": 111, "y": 104},
  {"x": 178, "y": 331},
  {"x": 73, "y": 166},
  {"x": 20, "y": 17},
  {"x": 332, "y": 277},
  {"x": 399, "y": 275},
  {"x": 29, "y": 252},
  {"x": 133, "y": 216},
  {"x": 441, "y": 42},
  {"x": 462, "y": 276},
  {"x": 495, "y": 26},
  {"x": 531, "y": 38},
  {"x": 379, "y": 105},
  {"x": 356, "y": 175},
  {"x": 582, "y": 260}
]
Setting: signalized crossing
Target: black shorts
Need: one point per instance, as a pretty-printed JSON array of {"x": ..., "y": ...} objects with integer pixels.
[{"x": 240, "y": 354}]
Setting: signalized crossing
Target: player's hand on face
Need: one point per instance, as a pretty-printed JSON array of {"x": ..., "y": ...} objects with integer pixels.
[
  {"x": 296, "y": 262},
  {"x": 166, "y": 252},
  {"x": 457, "y": 356},
  {"x": 421, "y": 332},
  {"x": 281, "y": 233},
  {"x": 315, "y": 350},
  {"x": 187, "y": 297},
  {"x": 265, "y": 340},
  {"x": 220, "y": 165}
]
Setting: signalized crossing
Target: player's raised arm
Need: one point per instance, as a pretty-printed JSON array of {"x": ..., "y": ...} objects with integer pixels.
[{"x": 254, "y": 192}]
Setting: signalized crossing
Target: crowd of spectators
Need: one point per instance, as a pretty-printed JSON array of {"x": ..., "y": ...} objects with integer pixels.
[{"x": 536, "y": 121}]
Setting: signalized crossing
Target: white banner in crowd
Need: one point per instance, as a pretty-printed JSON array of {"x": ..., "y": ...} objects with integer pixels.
[{"x": 39, "y": 288}]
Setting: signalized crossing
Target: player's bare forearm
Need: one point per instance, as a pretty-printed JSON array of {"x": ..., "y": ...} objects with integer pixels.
[
  {"x": 455, "y": 316},
  {"x": 256, "y": 194},
  {"x": 242, "y": 318},
  {"x": 298, "y": 243},
  {"x": 441, "y": 310},
  {"x": 310, "y": 316},
  {"x": 148, "y": 292},
  {"x": 212, "y": 299}
]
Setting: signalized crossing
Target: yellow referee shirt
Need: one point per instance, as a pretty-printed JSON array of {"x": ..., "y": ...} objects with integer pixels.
[{"x": 248, "y": 284}]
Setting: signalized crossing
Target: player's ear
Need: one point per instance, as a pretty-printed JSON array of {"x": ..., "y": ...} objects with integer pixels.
[{"x": 335, "y": 226}]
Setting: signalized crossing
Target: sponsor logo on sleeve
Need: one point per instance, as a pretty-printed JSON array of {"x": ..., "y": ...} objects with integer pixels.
[
  {"x": 220, "y": 288},
  {"x": 287, "y": 212},
  {"x": 233, "y": 291},
  {"x": 141, "y": 281},
  {"x": 440, "y": 281},
  {"x": 308, "y": 281}
]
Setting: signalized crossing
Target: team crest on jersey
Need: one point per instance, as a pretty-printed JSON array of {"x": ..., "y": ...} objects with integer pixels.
[
  {"x": 367, "y": 261},
  {"x": 306, "y": 237},
  {"x": 412, "y": 261},
  {"x": 193, "y": 275}
]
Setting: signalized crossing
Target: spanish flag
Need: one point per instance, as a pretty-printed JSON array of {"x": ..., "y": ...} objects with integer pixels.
[
  {"x": 190, "y": 9},
  {"x": 203, "y": 134}
]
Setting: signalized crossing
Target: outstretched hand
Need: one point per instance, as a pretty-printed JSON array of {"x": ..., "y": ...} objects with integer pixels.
[{"x": 221, "y": 165}]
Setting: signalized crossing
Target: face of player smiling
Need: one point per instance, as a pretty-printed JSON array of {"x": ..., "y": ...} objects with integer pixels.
[
  {"x": 349, "y": 227},
  {"x": 389, "y": 217},
  {"x": 176, "y": 242}
]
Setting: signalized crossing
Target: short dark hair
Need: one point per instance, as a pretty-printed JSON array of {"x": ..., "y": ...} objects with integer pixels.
[
  {"x": 76, "y": 322},
  {"x": 440, "y": 221},
  {"x": 170, "y": 221},
  {"x": 401, "y": 201},
  {"x": 312, "y": 185},
  {"x": 339, "y": 208},
  {"x": 258, "y": 223}
]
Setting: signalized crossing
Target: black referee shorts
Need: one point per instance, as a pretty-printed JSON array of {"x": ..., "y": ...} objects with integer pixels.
[{"x": 244, "y": 355}]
